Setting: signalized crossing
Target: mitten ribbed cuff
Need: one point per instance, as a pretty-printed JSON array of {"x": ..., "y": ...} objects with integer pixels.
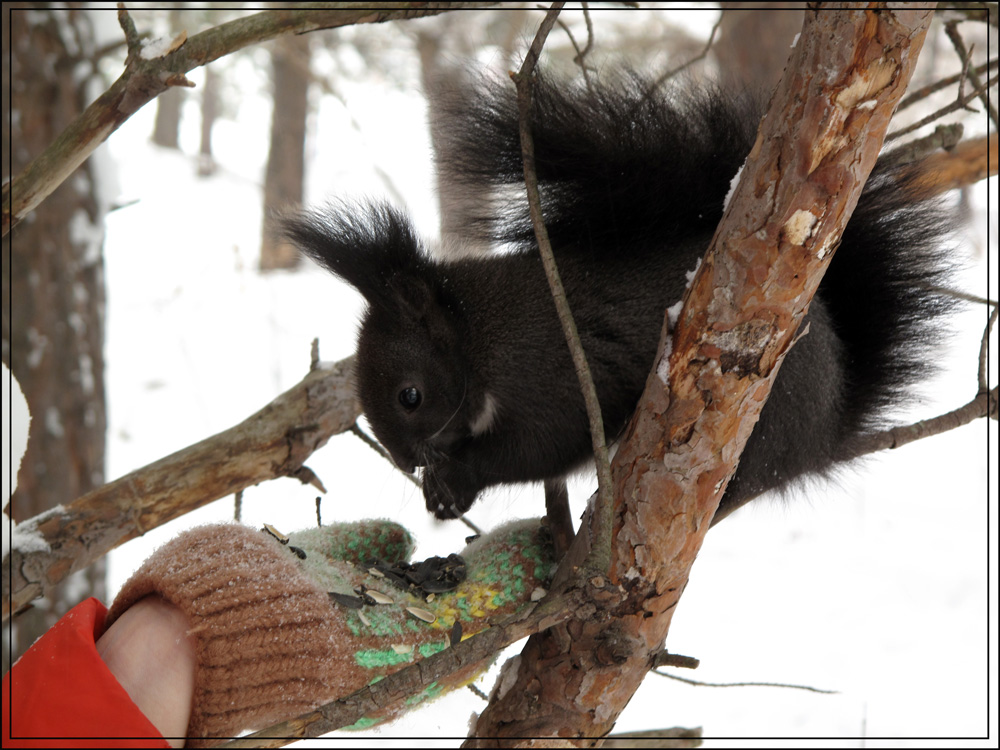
[{"x": 264, "y": 636}]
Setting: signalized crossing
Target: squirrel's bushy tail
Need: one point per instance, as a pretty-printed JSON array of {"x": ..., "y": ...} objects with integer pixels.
[
  {"x": 628, "y": 166},
  {"x": 618, "y": 165}
]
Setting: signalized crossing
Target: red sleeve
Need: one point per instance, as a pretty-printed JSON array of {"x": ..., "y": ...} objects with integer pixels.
[{"x": 61, "y": 694}]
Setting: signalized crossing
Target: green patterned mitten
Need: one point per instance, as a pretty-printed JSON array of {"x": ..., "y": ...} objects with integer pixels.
[{"x": 285, "y": 624}]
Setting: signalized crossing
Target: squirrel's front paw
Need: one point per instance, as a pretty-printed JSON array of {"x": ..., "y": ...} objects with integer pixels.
[{"x": 445, "y": 492}]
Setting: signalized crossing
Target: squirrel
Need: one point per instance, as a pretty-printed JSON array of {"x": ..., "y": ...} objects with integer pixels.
[{"x": 462, "y": 365}]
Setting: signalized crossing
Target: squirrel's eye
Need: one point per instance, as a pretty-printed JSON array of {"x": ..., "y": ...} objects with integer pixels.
[{"x": 410, "y": 397}]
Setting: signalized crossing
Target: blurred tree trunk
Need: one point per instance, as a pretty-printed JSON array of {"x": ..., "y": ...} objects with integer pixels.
[
  {"x": 286, "y": 159},
  {"x": 209, "y": 113},
  {"x": 168, "y": 117},
  {"x": 53, "y": 265},
  {"x": 754, "y": 45},
  {"x": 458, "y": 204},
  {"x": 166, "y": 128},
  {"x": 454, "y": 37}
]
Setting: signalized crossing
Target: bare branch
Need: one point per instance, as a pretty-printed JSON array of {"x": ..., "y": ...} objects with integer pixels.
[
  {"x": 699, "y": 683},
  {"x": 601, "y": 533},
  {"x": 581, "y": 54},
  {"x": 143, "y": 80},
  {"x": 982, "y": 12},
  {"x": 984, "y": 404},
  {"x": 951, "y": 29},
  {"x": 984, "y": 350},
  {"x": 269, "y": 444},
  {"x": 666, "y": 659},
  {"x": 923, "y": 93},
  {"x": 954, "y": 106},
  {"x": 700, "y": 56},
  {"x": 944, "y": 137},
  {"x": 967, "y": 163}
]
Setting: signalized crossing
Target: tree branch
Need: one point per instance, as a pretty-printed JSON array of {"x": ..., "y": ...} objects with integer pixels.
[
  {"x": 967, "y": 163},
  {"x": 951, "y": 29},
  {"x": 601, "y": 532},
  {"x": 984, "y": 404},
  {"x": 958, "y": 104},
  {"x": 272, "y": 443},
  {"x": 922, "y": 93},
  {"x": 144, "y": 79}
]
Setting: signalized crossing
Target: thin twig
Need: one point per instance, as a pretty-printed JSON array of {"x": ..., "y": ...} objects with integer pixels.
[
  {"x": 132, "y": 39},
  {"x": 581, "y": 54},
  {"x": 984, "y": 349},
  {"x": 314, "y": 354},
  {"x": 966, "y": 63},
  {"x": 601, "y": 543},
  {"x": 667, "y": 659},
  {"x": 477, "y": 692},
  {"x": 958, "y": 294},
  {"x": 956, "y": 105},
  {"x": 984, "y": 344},
  {"x": 985, "y": 404},
  {"x": 951, "y": 29},
  {"x": 980, "y": 406},
  {"x": 699, "y": 683},
  {"x": 358, "y": 432},
  {"x": 700, "y": 56},
  {"x": 375, "y": 446},
  {"x": 981, "y": 12},
  {"x": 931, "y": 88}
]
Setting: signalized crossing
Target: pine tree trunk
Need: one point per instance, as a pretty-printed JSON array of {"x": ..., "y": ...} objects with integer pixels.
[
  {"x": 286, "y": 158},
  {"x": 53, "y": 266}
]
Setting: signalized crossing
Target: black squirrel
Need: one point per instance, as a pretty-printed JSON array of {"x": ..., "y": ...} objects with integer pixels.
[{"x": 462, "y": 365}]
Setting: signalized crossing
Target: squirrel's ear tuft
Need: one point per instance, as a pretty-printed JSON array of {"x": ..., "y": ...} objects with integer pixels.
[{"x": 371, "y": 247}]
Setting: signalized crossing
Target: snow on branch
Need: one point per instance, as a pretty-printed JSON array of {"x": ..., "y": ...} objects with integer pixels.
[{"x": 274, "y": 442}]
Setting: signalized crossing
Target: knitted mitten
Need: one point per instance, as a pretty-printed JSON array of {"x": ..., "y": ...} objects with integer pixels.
[{"x": 284, "y": 624}]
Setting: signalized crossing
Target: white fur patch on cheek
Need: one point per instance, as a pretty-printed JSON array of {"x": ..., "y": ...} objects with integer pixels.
[{"x": 484, "y": 420}]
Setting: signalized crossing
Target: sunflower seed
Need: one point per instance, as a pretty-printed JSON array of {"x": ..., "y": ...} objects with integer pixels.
[
  {"x": 275, "y": 533},
  {"x": 379, "y": 597},
  {"x": 422, "y": 614}
]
